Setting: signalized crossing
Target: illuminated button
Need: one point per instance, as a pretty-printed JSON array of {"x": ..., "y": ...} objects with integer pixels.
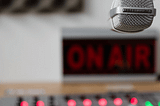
[
  {"x": 102, "y": 102},
  {"x": 158, "y": 103},
  {"x": 134, "y": 101},
  {"x": 24, "y": 103},
  {"x": 148, "y": 103},
  {"x": 87, "y": 102},
  {"x": 40, "y": 103},
  {"x": 71, "y": 103},
  {"x": 118, "y": 101}
]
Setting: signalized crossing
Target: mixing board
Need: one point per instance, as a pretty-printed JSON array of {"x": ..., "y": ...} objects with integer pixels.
[{"x": 106, "y": 99}]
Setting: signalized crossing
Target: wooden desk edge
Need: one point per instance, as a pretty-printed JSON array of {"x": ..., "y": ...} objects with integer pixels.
[{"x": 80, "y": 88}]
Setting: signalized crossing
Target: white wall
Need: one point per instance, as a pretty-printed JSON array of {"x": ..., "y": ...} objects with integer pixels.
[{"x": 30, "y": 44}]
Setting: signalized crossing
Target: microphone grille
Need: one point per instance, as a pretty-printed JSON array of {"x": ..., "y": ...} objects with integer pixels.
[
  {"x": 134, "y": 3},
  {"x": 132, "y": 22}
]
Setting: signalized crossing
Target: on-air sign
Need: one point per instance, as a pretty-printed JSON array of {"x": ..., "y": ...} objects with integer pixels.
[{"x": 108, "y": 56}]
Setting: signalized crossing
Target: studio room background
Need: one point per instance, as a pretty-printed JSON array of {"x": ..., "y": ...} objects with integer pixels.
[{"x": 31, "y": 44}]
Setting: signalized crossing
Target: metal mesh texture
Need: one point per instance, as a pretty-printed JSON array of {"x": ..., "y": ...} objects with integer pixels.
[
  {"x": 132, "y": 22},
  {"x": 134, "y": 3}
]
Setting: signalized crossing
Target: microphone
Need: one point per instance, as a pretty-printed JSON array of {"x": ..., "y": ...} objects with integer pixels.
[{"x": 132, "y": 15}]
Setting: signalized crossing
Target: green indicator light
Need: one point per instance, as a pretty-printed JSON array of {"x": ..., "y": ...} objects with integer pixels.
[
  {"x": 158, "y": 103},
  {"x": 148, "y": 103}
]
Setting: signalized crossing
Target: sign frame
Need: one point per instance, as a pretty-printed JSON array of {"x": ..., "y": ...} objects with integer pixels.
[{"x": 104, "y": 33}]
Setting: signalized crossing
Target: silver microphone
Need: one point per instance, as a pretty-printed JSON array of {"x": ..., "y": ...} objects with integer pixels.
[{"x": 132, "y": 15}]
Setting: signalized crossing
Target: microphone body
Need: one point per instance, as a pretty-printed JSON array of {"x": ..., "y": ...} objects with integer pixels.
[{"x": 132, "y": 15}]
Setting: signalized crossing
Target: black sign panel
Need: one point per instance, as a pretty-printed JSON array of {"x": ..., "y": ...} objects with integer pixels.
[{"x": 108, "y": 56}]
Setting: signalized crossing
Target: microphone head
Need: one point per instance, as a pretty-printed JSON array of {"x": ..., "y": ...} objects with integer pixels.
[{"x": 132, "y": 15}]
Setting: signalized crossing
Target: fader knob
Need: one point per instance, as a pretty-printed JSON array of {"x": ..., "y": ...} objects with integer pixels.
[
  {"x": 40, "y": 103},
  {"x": 133, "y": 101},
  {"x": 118, "y": 101},
  {"x": 24, "y": 103}
]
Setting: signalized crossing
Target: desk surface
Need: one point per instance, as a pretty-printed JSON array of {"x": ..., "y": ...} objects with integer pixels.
[{"x": 72, "y": 88}]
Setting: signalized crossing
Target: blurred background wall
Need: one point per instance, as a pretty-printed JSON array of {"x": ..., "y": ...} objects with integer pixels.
[{"x": 30, "y": 43}]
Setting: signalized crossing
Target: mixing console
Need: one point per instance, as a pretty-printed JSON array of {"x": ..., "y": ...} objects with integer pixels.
[{"x": 106, "y": 99}]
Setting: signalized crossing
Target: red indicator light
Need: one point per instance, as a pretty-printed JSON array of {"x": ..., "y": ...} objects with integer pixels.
[
  {"x": 24, "y": 103},
  {"x": 102, "y": 102},
  {"x": 134, "y": 101},
  {"x": 40, "y": 103},
  {"x": 71, "y": 103},
  {"x": 118, "y": 101},
  {"x": 87, "y": 102}
]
